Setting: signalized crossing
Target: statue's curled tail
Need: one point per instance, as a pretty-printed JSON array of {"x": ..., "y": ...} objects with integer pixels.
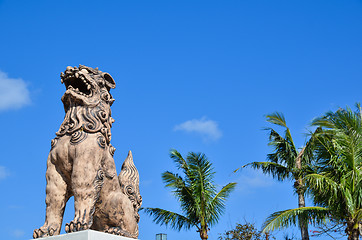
[{"x": 129, "y": 180}]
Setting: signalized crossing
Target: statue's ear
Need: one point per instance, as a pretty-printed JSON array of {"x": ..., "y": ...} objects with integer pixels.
[{"x": 109, "y": 80}]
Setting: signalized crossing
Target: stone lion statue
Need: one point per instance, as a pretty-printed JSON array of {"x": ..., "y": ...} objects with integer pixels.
[{"x": 80, "y": 163}]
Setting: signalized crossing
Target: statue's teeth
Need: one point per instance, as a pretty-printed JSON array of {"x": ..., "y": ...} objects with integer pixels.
[
  {"x": 88, "y": 87},
  {"x": 77, "y": 89},
  {"x": 76, "y": 75}
]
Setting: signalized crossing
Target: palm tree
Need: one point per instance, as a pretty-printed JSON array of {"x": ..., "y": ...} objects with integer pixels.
[
  {"x": 335, "y": 182},
  {"x": 196, "y": 192},
  {"x": 286, "y": 162}
]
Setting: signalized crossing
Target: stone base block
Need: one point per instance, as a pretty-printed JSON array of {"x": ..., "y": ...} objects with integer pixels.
[{"x": 86, "y": 235}]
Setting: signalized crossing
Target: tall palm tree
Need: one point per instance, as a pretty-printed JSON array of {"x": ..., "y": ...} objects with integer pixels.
[
  {"x": 335, "y": 182},
  {"x": 286, "y": 162},
  {"x": 196, "y": 192}
]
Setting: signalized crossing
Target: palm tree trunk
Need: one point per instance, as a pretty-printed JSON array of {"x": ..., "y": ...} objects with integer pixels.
[
  {"x": 303, "y": 224},
  {"x": 352, "y": 230},
  {"x": 299, "y": 186},
  {"x": 203, "y": 234},
  {"x": 354, "y": 235}
]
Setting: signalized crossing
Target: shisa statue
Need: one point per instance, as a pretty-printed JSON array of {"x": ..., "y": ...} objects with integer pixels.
[{"x": 80, "y": 163}]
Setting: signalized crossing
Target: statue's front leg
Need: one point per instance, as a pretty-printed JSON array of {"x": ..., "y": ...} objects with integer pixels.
[
  {"x": 87, "y": 181},
  {"x": 56, "y": 198}
]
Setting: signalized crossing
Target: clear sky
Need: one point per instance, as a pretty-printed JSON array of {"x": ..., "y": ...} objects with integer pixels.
[{"x": 191, "y": 75}]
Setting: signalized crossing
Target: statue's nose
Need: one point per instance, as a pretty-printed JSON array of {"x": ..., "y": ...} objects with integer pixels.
[{"x": 69, "y": 68}]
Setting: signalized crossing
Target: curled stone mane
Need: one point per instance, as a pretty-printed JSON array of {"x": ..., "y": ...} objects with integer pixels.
[{"x": 88, "y": 119}]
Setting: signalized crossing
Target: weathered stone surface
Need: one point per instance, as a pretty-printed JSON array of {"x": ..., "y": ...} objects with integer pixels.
[
  {"x": 80, "y": 163},
  {"x": 86, "y": 235}
]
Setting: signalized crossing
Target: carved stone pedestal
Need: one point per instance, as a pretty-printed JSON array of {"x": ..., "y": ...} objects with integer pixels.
[{"x": 86, "y": 235}]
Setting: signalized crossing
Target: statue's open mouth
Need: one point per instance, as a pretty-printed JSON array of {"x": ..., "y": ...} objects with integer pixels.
[{"x": 78, "y": 84}]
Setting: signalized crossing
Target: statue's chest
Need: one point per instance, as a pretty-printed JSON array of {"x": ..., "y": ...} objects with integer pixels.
[{"x": 79, "y": 141}]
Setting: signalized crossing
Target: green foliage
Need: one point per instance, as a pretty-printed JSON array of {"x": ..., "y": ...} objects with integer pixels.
[
  {"x": 337, "y": 179},
  {"x": 246, "y": 231},
  {"x": 286, "y": 218},
  {"x": 200, "y": 202},
  {"x": 286, "y": 162},
  {"x": 334, "y": 181}
]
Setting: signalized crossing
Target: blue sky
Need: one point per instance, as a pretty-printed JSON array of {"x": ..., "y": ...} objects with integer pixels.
[{"x": 191, "y": 75}]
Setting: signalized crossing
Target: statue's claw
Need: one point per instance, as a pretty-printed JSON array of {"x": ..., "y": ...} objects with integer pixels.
[
  {"x": 118, "y": 231},
  {"x": 43, "y": 232},
  {"x": 75, "y": 226}
]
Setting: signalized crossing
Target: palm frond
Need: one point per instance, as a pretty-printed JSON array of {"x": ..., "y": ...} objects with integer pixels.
[
  {"x": 323, "y": 121},
  {"x": 358, "y": 215},
  {"x": 168, "y": 218},
  {"x": 276, "y": 170},
  {"x": 277, "y": 118},
  {"x": 217, "y": 205},
  {"x": 309, "y": 149},
  {"x": 284, "y": 150},
  {"x": 172, "y": 180},
  {"x": 286, "y": 218},
  {"x": 179, "y": 160},
  {"x": 182, "y": 192},
  {"x": 200, "y": 166},
  {"x": 321, "y": 183},
  {"x": 201, "y": 176}
]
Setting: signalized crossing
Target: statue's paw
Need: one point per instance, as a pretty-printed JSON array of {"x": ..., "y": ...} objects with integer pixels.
[
  {"x": 44, "y": 231},
  {"x": 75, "y": 226},
  {"x": 118, "y": 231}
]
